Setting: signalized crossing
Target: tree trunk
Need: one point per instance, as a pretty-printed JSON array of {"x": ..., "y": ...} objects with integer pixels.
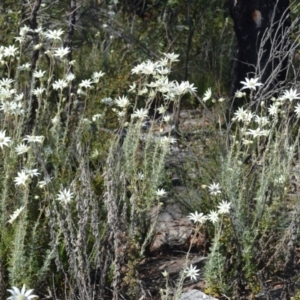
[{"x": 263, "y": 37}]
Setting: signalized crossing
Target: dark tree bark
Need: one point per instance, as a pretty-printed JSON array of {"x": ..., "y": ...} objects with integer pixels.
[{"x": 262, "y": 29}]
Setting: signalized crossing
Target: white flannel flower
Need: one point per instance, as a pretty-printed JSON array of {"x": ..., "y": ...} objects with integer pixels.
[
  {"x": 132, "y": 87},
  {"x": 224, "y": 207},
  {"x": 60, "y": 84},
  {"x": 149, "y": 68},
  {"x": 137, "y": 69},
  {"x": 24, "y": 30},
  {"x": 243, "y": 115},
  {"x": 16, "y": 294},
  {"x": 207, "y": 95},
  {"x": 44, "y": 182},
  {"x": 160, "y": 193},
  {"x": 171, "y": 56},
  {"x": 31, "y": 172},
  {"x": 257, "y": 132},
  {"x": 191, "y": 272},
  {"x": 297, "y": 110},
  {"x": 122, "y": 102},
  {"x": 70, "y": 76},
  {"x": 291, "y": 95},
  {"x": 21, "y": 178},
  {"x": 6, "y": 82},
  {"x": 10, "y": 51},
  {"x": 15, "y": 214},
  {"x": 39, "y": 74},
  {"x": 140, "y": 113},
  {"x": 140, "y": 176},
  {"x": 261, "y": 121},
  {"x": 86, "y": 84},
  {"x": 4, "y": 140},
  {"x": 97, "y": 75},
  {"x": 239, "y": 94},
  {"x": 38, "y": 91},
  {"x": 34, "y": 139},
  {"x": 161, "y": 109},
  {"x": 273, "y": 110},
  {"x": 251, "y": 84},
  {"x": 21, "y": 149},
  {"x": 54, "y": 34},
  {"x": 213, "y": 216},
  {"x": 197, "y": 217},
  {"x": 24, "y": 67},
  {"x": 96, "y": 117},
  {"x": 19, "y": 97},
  {"x": 61, "y": 52},
  {"x": 65, "y": 196},
  {"x": 214, "y": 189},
  {"x": 167, "y": 118}
]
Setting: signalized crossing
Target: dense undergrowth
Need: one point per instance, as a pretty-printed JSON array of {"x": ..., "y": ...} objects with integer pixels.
[{"x": 88, "y": 120}]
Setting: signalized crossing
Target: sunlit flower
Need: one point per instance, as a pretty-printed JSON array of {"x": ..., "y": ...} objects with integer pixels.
[
  {"x": 24, "y": 67},
  {"x": 122, "y": 102},
  {"x": 4, "y": 140},
  {"x": 39, "y": 74},
  {"x": 10, "y": 51},
  {"x": 6, "y": 82},
  {"x": 34, "y": 139},
  {"x": 261, "y": 121},
  {"x": 160, "y": 193},
  {"x": 240, "y": 94},
  {"x": 167, "y": 118},
  {"x": 214, "y": 189},
  {"x": 70, "y": 76},
  {"x": 60, "y": 84},
  {"x": 149, "y": 68},
  {"x": 297, "y": 110},
  {"x": 161, "y": 109},
  {"x": 31, "y": 172},
  {"x": 44, "y": 182},
  {"x": 273, "y": 110},
  {"x": 54, "y": 34},
  {"x": 21, "y": 178},
  {"x": 16, "y": 294},
  {"x": 140, "y": 113},
  {"x": 207, "y": 95},
  {"x": 183, "y": 87},
  {"x": 61, "y": 52},
  {"x": 213, "y": 216},
  {"x": 96, "y": 117},
  {"x": 171, "y": 56},
  {"x": 15, "y": 214},
  {"x": 86, "y": 83},
  {"x": 24, "y": 30},
  {"x": 38, "y": 91},
  {"x": 19, "y": 97},
  {"x": 108, "y": 101},
  {"x": 224, "y": 207},
  {"x": 257, "y": 132},
  {"x": 243, "y": 115},
  {"x": 97, "y": 75},
  {"x": 140, "y": 176},
  {"x": 65, "y": 196},
  {"x": 197, "y": 217},
  {"x": 251, "y": 84},
  {"x": 21, "y": 149},
  {"x": 132, "y": 87},
  {"x": 291, "y": 95},
  {"x": 191, "y": 272}
]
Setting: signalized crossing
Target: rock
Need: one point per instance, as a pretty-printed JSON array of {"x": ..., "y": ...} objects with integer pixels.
[
  {"x": 196, "y": 295},
  {"x": 172, "y": 228}
]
